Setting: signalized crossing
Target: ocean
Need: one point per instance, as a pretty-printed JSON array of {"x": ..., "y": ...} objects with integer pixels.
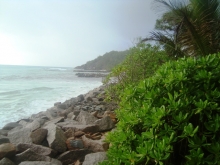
[{"x": 27, "y": 90}]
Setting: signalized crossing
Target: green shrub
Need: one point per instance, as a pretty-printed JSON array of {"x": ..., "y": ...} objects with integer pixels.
[
  {"x": 142, "y": 61},
  {"x": 171, "y": 118}
]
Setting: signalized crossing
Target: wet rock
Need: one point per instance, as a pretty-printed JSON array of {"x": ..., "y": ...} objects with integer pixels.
[
  {"x": 56, "y": 138},
  {"x": 86, "y": 118},
  {"x": 69, "y": 157},
  {"x": 6, "y": 161},
  {"x": 38, "y": 149},
  {"x": 20, "y": 136},
  {"x": 7, "y": 150},
  {"x": 11, "y": 125},
  {"x": 94, "y": 158},
  {"x": 38, "y": 136}
]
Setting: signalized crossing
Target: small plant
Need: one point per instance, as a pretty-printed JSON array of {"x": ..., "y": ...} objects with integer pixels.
[{"x": 170, "y": 118}]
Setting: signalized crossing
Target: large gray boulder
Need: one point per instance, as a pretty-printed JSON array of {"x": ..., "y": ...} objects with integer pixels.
[
  {"x": 105, "y": 124},
  {"x": 4, "y": 132},
  {"x": 84, "y": 128},
  {"x": 6, "y": 161},
  {"x": 20, "y": 136},
  {"x": 37, "y": 123},
  {"x": 38, "y": 149},
  {"x": 4, "y": 139},
  {"x": 56, "y": 138},
  {"x": 11, "y": 125},
  {"x": 29, "y": 155},
  {"x": 69, "y": 157},
  {"x": 37, "y": 163},
  {"x": 94, "y": 158},
  {"x": 86, "y": 118}
]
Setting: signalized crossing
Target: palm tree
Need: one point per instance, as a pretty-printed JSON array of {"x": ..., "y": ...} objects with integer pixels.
[{"x": 189, "y": 27}]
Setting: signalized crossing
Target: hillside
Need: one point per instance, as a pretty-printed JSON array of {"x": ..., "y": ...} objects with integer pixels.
[{"x": 106, "y": 61}]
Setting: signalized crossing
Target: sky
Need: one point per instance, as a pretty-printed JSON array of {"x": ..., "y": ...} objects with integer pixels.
[{"x": 68, "y": 33}]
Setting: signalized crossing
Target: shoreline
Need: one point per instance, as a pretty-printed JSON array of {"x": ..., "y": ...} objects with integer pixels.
[{"x": 83, "y": 119}]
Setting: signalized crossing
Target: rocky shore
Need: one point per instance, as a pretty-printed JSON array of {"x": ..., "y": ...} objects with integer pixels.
[{"x": 69, "y": 133}]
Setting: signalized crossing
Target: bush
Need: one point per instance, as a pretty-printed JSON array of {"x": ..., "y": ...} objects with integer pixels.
[
  {"x": 170, "y": 118},
  {"x": 142, "y": 61}
]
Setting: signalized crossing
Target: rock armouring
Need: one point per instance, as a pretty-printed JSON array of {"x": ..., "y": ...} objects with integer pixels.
[{"x": 72, "y": 132}]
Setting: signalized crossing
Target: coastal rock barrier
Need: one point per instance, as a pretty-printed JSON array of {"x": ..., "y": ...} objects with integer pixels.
[{"x": 69, "y": 133}]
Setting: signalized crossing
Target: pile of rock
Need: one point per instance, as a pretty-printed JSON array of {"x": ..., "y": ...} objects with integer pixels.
[{"x": 70, "y": 133}]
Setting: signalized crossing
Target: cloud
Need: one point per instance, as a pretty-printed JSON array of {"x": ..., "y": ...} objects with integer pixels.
[{"x": 71, "y": 32}]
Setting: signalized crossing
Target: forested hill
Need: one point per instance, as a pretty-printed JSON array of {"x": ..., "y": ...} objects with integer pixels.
[{"x": 106, "y": 61}]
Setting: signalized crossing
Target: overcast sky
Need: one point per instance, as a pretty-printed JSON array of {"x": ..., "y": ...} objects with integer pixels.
[{"x": 69, "y": 33}]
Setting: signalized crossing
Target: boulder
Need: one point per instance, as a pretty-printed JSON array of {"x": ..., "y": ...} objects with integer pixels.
[
  {"x": 69, "y": 157},
  {"x": 6, "y": 161},
  {"x": 38, "y": 149},
  {"x": 94, "y": 158},
  {"x": 86, "y": 118},
  {"x": 95, "y": 145},
  {"x": 37, "y": 163},
  {"x": 4, "y": 139},
  {"x": 80, "y": 98},
  {"x": 105, "y": 124},
  {"x": 37, "y": 123},
  {"x": 55, "y": 121},
  {"x": 83, "y": 128},
  {"x": 7, "y": 150},
  {"x": 67, "y": 123},
  {"x": 71, "y": 116},
  {"x": 79, "y": 133},
  {"x": 73, "y": 144},
  {"x": 20, "y": 136},
  {"x": 69, "y": 133},
  {"x": 38, "y": 136},
  {"x": 52, "y": 112},
  {"x": 4, "y": 132},
  {"x": 56, "y": 138},
  {"x": 11, "y": 125},
  {"x": 29, "y": 155}
]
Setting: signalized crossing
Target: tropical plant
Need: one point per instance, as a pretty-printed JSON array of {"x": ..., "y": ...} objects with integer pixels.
[
  {"x": 190, "y": 27},
  {"x": 141, "y": 62},
  {"x": 171, "y": 118}
]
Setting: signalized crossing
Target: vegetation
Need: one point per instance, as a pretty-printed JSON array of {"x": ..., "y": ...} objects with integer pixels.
[
  {"x": 189, "y": 28},
  {"x": 172, "y": 117},
  {"x": 141, "y": 62},
  {"x": 105, "y": 62}
]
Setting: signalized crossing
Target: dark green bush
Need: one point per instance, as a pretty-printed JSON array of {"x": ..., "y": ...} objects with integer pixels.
[{"x": 171, "y": 118}]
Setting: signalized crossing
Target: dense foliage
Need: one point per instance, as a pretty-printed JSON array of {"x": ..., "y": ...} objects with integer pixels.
[
  {"x": 106, "y": 61},
  {"x": 189, "y": 28},
  {"x": 170, "y": 118},
  {"x": 141, "y": 62}
]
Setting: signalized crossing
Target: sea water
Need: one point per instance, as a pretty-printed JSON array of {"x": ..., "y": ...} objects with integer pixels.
[{"x": 26, "y": 90}]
